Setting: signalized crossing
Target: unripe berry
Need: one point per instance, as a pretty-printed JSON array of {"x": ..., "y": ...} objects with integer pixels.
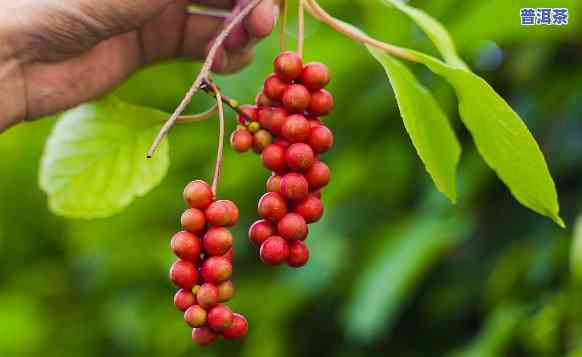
[
  {"x": 186, "y": 246},
  {"x": 184, "y": 274},
  {"x": 195, "y": 316},
  {"x": 321, "y": 103},
  {"x": 274, "y": 158},
  {"x": 288, "y": 66},
  {"x": 274, "y": 183},
  {"x": 207, "y": 296},
  {"x": 203, "y": 336},
  {"x": 251, "y": 112},
  {"x": 272, "y": 119},
  {"x": 299, "y": 157},
  {"x": 321, "y": 139},
  {"x": 217, "y": 241},
  {"x": 260, "y": 231},
  {"x": 262, "y": 139},
  {"x": 193, "y": 220},
  {"x": 296, "y": 129},
  {"x": 315, "y": 76},
  {"x": 241, "y": 140},
  {"x": 296, "y": 98},
  {"x": 318, "y": 175},
  {"x": 292, "y": 227},
  {"x": 222, "y": 213},
  {"x": 274, "y": 87},
  {"x": 263, "y": 101},
  {"x": 183, "y": 299},
  {"x": 253, "y": 127},
  {"x": 216, "y": 270},
  {"x": 238, "y": 329},
  {"x": 198, "y": 194},
  {"x": 225, "y": 291},
  {"x": 274, "y": 250},
  {"x": 220, "y": 317},
  {"x": 298, "y": 254},
  {"x": 311, "y": 209},
  {"x": 272, "y": 206}
]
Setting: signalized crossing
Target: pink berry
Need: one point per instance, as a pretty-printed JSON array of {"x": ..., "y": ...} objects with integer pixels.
[
  {"x": 241, "y": 140},
  {"x": 315, "y": 76},
  {"x": 272, "y": 206},
  {"x": 222, "y": 213},
  {"x": 186, "y": 246},
  {"x": 321, "y": 103},
  {"x": 320, "y": 139},
  {"x": 288, "y": 66},
  {"x": 274, "y": 250},
  {"x": 217, "y": 241},
  {"x": 318, "y": 175},
  {"x": 297, "y": 99},
  {"x": 203, "y": 336},
  {"x": 298, "y": 254},
  {"x": 311, "y": 209},
  {"x": 294, "y": 186},
  {"x": 216, "y": 270},
  {"x": 198, "y": 194},
  {"x": 261, "y": 139},
  {"x": 274, "y": 87},
  {"x": 273, "y": 158},
  {"x": 260, "y": 231},
  {"x": 195, "y": 316},
  {"x": 272, "y": 119},
  {"x": 299, "y": 157},
  {"x": 183, "y": 299},
  {"x": 193, "y": 220},
  {"x": 263, "y": 101},
  {"x": 225, "y": 290},
  {"x": 238, "y": 329},
  {"x": 220, "y": 317},
  {"x": 207, "y": 295},
  {"x": 184, "y": 274},
  {"x": 274, "y": 183},
  {"x": 296, "y": 129}
]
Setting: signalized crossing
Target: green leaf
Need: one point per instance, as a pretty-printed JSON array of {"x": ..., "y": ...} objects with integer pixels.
[
  {"x": 95, "y": 163},
  {"x": 426, "y": 123},
  {"x": 433, "y": 29},
  {"x": 576, "y": 252},
  {"x": 502, "y": 138},
  {"x": 404, "y": 258}
]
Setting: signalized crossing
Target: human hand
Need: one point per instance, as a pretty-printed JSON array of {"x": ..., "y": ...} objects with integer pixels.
[{"x": 60, "y": 54}]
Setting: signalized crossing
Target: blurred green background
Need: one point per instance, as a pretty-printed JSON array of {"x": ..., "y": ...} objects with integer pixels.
[{"x": 395, "y": 269}]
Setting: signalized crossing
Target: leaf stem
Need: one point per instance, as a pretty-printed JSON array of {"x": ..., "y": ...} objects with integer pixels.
[
  {"x": 351, "y": 32},
  {"x": 220, "y": 149},
  {"x": 203, "y": 75}
]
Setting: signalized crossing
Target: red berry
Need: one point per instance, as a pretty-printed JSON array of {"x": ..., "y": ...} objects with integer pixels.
[
  {"x": 220, "y": 317},
  {"x": 274, "y": 158},
  {"x": 316, "y": 194},
  {"x": 203, "y": 336},
  {"x": 294, "y": 186},
  {"x": 274, "y": 250},
  {"x": 222, "y": 213},
  {"x": 288, "y": 66},
  {"x": 292, "y": 227},
  {"x": 217, "y": 241},
  {"x": 241, "y": 140},
  {"x": 272, "y": 119},
  {"x": 216, "y": 270},
  {"x": 311, "y": 209},
  {"x": 263, "y": 101},
  {"x": 272, "y": 206},
  {"x": 238, "y": 329},
  {"x": 315, "y": 76},
  {"x": 184, "y": 274},
  {"x": 207, "y": 295},
  {"x": 321, "y": 103},
  {"x": 321, "y": 139},
  {"x": 260, "y": 231},
  {"x": 314, "y": 123},
  {"x": 274, "y": 87},
  {"x": 274, "y": 183},
  {"x": 186, "y": 246},
  {"x": 193, "y": 220},
  {"x": 284, "y": 143},
  {"x": 195, "y": 316},
  {"x": 299, "y": 157},
  {"x": 296, "y": 129},
  {"x": 198, "y": 194},
  {"x": 318, "y": 175},
  {"x": 298, "y": 254},
  {"x": 225, "y": 290},
  {"x": 296, "y": 98},
  {"x": 251, "y": 112},
  {"x": 183, "y": 299},
  {"x": 261, "y": 139}
]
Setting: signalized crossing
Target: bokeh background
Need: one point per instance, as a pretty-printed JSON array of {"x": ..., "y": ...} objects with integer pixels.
[{"x": 395, "y": 269}]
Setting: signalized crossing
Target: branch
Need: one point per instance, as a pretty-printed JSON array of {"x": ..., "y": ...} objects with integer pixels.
[
  {"x": 185, "y": 119},
  {"x": 320, "y": 14},
  {"x": 218, "y": 165},
  {"x": 203, "y": 75}
]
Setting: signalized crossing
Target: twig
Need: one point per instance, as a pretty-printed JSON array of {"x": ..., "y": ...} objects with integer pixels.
[
  {"x": 204, "y": 72},
  {"x": 283, "y": 28},
  {"x": 231, "y": 103},
  {"x": 320, "y": 14},
  {"x": 218, "y": 165},
  {"x": 301, "y": 29},
  {"x": 185, "y": 119}
]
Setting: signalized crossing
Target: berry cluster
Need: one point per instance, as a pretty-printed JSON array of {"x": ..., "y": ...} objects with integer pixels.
[
  {"x": 204, "y": 267},
  {"x": 285, "y": 128}
]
